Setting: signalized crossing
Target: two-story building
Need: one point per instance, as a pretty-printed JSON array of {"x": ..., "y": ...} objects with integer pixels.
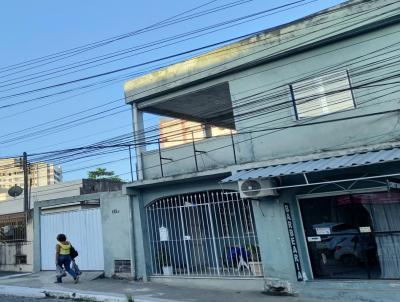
[{"x": 305, "y": 187}]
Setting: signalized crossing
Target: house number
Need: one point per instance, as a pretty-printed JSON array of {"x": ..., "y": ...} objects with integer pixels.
[{"x": 115, "y": 211}]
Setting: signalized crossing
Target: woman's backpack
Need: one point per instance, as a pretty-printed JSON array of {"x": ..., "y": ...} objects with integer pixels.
[{"x": 73, "y": 252}]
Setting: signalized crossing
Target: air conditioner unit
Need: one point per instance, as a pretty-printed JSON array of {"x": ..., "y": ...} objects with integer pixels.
[{"x": 255, "y": 188}]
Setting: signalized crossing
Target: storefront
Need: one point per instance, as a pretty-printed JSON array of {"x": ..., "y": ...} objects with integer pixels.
[
  {"x": 353, "y": 236},
  {"x": 342, "y": 215}
]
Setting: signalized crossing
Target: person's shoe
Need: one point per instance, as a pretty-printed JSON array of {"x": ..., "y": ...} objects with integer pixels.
[{"x": 76, "y": 280}]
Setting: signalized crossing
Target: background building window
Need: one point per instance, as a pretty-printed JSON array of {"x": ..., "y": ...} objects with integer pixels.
[{"x": 322, "y": 95}]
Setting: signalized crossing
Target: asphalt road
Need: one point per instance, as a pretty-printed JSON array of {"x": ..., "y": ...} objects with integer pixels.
[{"x": 19, "y": 299}]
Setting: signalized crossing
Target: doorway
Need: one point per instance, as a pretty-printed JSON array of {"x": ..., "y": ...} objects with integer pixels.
[
  {"x": 208, "y": 233},
  {"x": 353, "y": 236}
]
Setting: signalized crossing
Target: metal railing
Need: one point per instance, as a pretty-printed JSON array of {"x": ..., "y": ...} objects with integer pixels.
[
  {"x": 206, "y": 234},
  {"x": 13, "y": 227}
]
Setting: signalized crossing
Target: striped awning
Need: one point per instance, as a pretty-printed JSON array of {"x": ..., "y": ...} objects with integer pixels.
[{"x": 323, "y": 164}]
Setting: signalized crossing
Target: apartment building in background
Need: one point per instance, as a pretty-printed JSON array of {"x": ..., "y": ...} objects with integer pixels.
[
  {"x": 175, "y": 132},
  {"x": 40, "y": 174}
]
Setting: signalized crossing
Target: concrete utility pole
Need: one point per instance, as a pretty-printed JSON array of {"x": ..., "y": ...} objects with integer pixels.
[{"x": 26, "y": 181}]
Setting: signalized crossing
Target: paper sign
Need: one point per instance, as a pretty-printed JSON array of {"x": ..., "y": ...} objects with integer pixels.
[
  {"x": 365, "y": 229},
  {"x": 323, "y": 231},
  {"x": 314, "y": 239},
  {"x": 164, "y": 236}
]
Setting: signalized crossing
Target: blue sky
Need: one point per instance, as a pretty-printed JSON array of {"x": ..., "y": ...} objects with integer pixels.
[{"x": 32, "y": 29}]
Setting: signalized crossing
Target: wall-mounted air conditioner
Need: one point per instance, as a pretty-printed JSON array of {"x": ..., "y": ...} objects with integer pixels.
[{"x": 255, "y": 188}]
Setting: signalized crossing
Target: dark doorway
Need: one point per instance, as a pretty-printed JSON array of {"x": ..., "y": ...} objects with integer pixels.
[{"x": 354, "y": 236}]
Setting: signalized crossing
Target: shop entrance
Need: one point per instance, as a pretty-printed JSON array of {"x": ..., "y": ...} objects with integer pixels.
[{"x": 354, "y": 236}]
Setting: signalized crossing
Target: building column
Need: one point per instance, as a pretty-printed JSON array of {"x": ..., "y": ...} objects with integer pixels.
[
  {"x": 138, "y": 137},
  {"x": 207, "y": 130},
  {"x": 139, "y": 243},
  {"x": 273, "y": 239},
  {"x": 36, "y": 240}
]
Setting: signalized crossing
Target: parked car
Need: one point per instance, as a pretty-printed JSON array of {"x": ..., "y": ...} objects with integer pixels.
[{"x": 342, "y": 242}]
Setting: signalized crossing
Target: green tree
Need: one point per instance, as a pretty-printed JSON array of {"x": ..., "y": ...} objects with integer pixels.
[{"x": 102, "y": 173}]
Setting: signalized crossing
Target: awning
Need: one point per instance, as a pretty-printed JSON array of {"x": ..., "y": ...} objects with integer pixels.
[{"x": 323, "y": 164}]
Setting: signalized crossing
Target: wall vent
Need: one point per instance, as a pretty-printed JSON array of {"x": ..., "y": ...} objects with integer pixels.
[
  {"x": 122, "y": 266},
  {"x": 20, "y": 259}
]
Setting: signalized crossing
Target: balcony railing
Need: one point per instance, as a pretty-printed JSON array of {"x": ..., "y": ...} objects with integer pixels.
[{"x": 196, "y": 156}]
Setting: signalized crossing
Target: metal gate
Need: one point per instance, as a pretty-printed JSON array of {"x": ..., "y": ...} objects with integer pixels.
[
  {"x": 203, "y": 234},
  {"x": 82, "y": 228}
]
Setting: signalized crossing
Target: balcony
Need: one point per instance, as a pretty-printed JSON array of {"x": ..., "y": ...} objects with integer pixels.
[
  {"x": 193, "y": 131},
  {"x": 198, "y": 155}
]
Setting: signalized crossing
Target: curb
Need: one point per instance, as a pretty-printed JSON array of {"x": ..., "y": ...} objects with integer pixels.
[
  {"x": 15, "y": 276},
  {"x": 18, "y": 291},
  {"x": 42, "y": 293},
  {"x": 83, "y": 296}
]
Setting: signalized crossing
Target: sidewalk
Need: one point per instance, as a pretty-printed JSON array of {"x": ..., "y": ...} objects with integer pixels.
[{"x": 116, "y": 290}]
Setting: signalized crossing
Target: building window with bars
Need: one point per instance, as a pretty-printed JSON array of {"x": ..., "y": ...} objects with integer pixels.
[
  {"x": 322, "y": 95},
  {"x": 13, "y": 227}
]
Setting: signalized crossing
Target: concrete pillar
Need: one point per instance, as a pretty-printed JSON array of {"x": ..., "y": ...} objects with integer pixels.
[
  {"x": 138, "y": 137},
  {"x": 139, "y": 232},
  {"x": 36, "y": 240},
  {"x": 207, "y": 130},
  {"x": 273, "y": 239}
]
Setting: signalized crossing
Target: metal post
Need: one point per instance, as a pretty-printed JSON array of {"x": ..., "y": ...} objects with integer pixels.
[
  {"x": 213, "y": 233},
  {"x": 160, "y": 157},
  {"x": 194, "y": 153},
  {"x": 184, "y": 240},
  {"x": 233, "y": 148},
  {"x": 130, "y": 162},
  {"x": 26, "y": 182}
]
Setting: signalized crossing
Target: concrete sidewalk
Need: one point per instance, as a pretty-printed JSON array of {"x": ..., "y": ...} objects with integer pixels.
[{"x": 110, "y": 290}]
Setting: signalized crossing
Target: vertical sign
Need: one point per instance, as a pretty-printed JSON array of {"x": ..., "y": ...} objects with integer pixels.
[{"x": 293, "y": 243}]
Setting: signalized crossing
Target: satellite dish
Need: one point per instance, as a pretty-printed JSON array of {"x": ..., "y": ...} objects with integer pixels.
[{"x": 15, "y": 191}]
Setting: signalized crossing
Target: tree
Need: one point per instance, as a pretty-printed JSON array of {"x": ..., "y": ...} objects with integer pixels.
[{"x": 102, "y": 173}]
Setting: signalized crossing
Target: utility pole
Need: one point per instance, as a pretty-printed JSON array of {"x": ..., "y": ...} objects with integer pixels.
[{"x": 26, "y": 182}]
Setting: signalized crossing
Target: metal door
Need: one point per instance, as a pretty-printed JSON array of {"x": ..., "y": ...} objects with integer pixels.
[
  {"x": 208, "y": 233},
  {"x": 83, "y": 230}
]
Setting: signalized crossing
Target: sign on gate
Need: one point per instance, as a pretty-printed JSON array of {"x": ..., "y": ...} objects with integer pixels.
[
  {"x": 164, "y": 236},
  {"x": 293, "y": 242}
]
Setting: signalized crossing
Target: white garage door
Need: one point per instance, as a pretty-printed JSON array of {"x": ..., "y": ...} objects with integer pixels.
[{"x": 83, "y": 230}]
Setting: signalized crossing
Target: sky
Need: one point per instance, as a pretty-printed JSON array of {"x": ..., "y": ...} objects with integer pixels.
[{"x": 43, "y": 121}]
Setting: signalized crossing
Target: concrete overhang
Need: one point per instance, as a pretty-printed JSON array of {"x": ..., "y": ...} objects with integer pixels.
[
  {"x": 210, "y": 105},
  {"x": 269, "y": 45},
  {"x": 169, "y": 180}
]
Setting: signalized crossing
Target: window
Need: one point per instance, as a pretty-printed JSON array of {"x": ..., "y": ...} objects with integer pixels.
[
  {"x": 323, "y": 95},
  {"x": 13, "y": 227}
]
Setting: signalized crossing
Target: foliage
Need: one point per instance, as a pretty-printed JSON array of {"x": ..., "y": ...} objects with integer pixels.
[{"x": 102, "y": 173}]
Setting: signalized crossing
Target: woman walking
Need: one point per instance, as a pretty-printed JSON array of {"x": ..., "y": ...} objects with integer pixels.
[{"x": 63, "y": 257}]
